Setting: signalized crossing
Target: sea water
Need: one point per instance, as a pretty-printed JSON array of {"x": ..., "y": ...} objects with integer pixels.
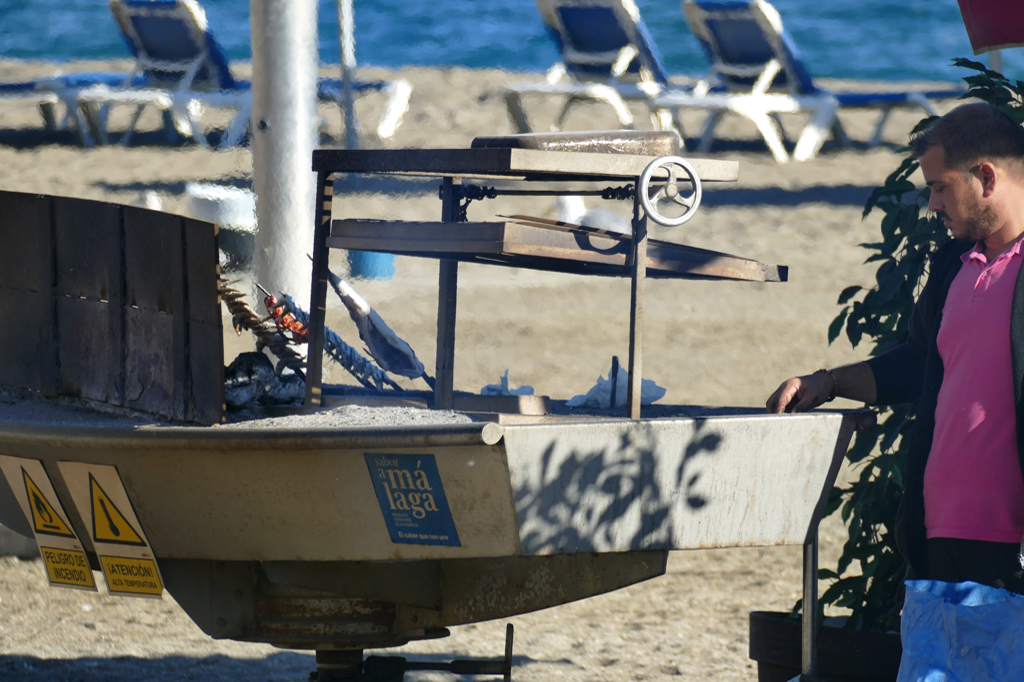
[{"x": 869, "y": 39}]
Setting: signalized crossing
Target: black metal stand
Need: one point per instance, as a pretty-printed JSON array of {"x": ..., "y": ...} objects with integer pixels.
[
  {"x": 636, "y": 308},
  {"x": 349, "y": 665},
  {"x": 809, "y": 620}
]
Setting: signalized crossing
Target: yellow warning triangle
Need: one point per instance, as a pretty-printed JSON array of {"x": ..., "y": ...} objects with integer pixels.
[
  {"x": 108, "y": 524},
  {"x": 45, "y": 518}
]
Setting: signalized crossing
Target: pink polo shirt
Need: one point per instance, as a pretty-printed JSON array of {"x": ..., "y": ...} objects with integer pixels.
[{"x": 973, "y": 488}]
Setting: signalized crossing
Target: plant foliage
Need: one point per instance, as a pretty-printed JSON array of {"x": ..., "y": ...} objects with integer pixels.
[{"x": 881, "y": 315}]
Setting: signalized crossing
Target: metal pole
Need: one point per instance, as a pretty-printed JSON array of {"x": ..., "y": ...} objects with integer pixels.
[
  {"x": 284, "y": 64},
  {"x": 995, "y": 60},
  {"x": 318, "y": 301},
  {"x": 447, "y": 306},
  {"x": 347, "y": 40},
  {"x": 636, "y": 311},
  {"x": 809, "y": 639}
]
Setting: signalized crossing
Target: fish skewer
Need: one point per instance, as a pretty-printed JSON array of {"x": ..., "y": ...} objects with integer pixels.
[
  {"x": 290, "y": 318},
  {"x": 390, "y": 351}
]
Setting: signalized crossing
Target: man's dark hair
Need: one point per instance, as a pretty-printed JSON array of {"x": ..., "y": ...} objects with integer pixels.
[{"x": 972, "y": 133}]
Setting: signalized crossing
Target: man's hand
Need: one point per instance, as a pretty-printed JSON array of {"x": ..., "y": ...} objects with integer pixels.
[{"x": 801, "y": 394}]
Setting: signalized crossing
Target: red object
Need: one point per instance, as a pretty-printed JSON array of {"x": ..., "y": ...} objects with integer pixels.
[
  {"x": 285, "y": 321},
  {"x": 993, "y": 24}
]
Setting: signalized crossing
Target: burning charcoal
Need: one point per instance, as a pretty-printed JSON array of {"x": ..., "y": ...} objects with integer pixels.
[
  {"x": 287, "y": 389},
  {"x": 251, "y": 380},
  {"x": 247, "y": 378}
]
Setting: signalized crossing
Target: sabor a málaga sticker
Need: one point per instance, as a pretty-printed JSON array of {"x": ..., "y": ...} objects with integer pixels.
[
  {"x": 124, "y": 552},
  {"x": 412, "y": 499},
  {"x": 62, "y": 553}
]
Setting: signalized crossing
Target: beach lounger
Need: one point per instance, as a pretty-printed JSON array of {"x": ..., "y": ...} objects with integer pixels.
[
  {"x": 29, "y": 92},
  {"x": 179, "y": 69},
  {"x": 59, "y": 89},
  {"x": 757, "y": 72},
  {"x": 607, "y": 56},
  {"x": 185, "y": 71}
]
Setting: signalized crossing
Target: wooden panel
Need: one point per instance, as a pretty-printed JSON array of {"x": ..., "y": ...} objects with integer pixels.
[
  {"x": 642, "y": 142},
  {"x": 29, "y": 357},
  {"x": 204, "y": 397},
  {"x": 512, "y": 163},
  {"x": 202, "y": 267},
  {"x": 90, "y": 349},
  {"x": 434, "y": 231},
  {"x": 406, "y": 246},
  {"x": 537, "y": 246},
  {"x": 26, "y": 260},
  {"x": 88, "y": 249},
  {"x": 153, "y": 260},
  {"x": 155, "y": 279},
  {"x": 206, "y": 372},
  {"x": 149, "y": 362}
]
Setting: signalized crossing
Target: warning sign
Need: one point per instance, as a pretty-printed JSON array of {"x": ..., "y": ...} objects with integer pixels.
[
  {"x": 124, "y": 551},
  {"x": 67, "y": 567},
  {"x": 131, "y": 576},
  {"x": 44, "y": 518},
  {"x": 108, "y": 523},
  {"x": 63, "y": 555}
]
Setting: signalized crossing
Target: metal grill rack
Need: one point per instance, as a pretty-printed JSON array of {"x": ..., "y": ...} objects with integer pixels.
[{"x": 612, "y": 164}]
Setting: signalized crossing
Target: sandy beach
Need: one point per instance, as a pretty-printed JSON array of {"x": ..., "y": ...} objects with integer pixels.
[{"x": 708, "y": 343}]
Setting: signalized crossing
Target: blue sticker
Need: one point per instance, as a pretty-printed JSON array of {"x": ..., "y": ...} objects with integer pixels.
[{"x": 412, "y": 499}]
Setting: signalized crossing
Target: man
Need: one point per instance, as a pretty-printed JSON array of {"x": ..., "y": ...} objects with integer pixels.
[{"x": 962, "y": 514}]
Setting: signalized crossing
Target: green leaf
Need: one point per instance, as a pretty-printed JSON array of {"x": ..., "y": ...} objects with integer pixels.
[{"x": 969, "y": 64}]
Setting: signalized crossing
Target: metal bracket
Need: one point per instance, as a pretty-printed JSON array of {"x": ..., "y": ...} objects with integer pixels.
[
  {"x": 393, "y": 668},
  {"x": 619, "y": 193},
  {"x": 468, "y": 193}
]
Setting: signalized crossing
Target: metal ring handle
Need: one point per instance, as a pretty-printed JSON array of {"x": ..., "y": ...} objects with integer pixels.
[{"x": 670, "y": 190}]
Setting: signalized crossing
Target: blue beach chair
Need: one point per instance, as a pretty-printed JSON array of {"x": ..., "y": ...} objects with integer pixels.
[
  {"x": 756, "y": 72},
  {"x": 179, "y": 69},
  {"x": 184, "y": 70},
  {"x": 59, "y": 89},
  {"x": 607, "y": 55}
]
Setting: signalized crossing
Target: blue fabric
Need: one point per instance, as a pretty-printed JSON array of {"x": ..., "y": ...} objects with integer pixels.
[
  {"x": 371, "y": 265},
  {"x": 330, "y": 89},
  {"x": 870, "y": 99},
  {"x": 961, "y": 632},
  {"x": 596, "y": 29},
  {"x": 73, "y": 80},
  {"x": 167, "y": 38},
  {"x": 740, "y": 41}
]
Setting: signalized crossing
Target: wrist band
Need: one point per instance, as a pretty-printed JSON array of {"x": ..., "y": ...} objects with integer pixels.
[{"x": 835, "y": 384}]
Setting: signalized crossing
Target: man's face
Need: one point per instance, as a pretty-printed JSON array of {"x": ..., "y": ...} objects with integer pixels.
[{"x": 957, "y": 198}]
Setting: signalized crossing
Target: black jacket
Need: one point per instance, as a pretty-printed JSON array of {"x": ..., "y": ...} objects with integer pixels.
[{"x": 914, "y": 371}]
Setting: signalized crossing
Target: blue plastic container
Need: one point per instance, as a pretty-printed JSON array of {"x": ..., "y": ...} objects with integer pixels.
[{"x": 371, "y": 265}]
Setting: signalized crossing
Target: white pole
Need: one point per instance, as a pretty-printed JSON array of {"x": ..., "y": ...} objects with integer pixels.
[
  {"x": 347, "y": 39},
  {"x": 995, "y": 60},
  {"x": 284, "y": 64}
]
